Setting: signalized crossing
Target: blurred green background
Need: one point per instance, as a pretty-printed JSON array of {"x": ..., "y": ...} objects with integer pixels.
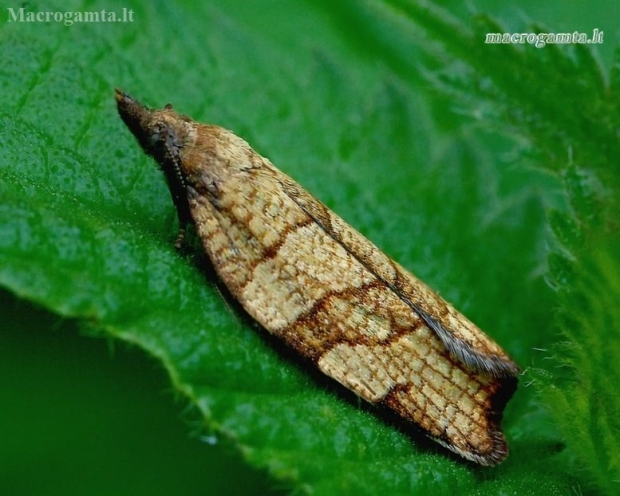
[{"x": 86, "y": 414}]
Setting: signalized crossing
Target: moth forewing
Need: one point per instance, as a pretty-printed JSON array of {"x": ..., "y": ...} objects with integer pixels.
[{"x": 311, "y": 279}]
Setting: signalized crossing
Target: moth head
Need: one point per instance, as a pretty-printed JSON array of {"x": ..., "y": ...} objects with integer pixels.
[{"x": 161, "y": 133}]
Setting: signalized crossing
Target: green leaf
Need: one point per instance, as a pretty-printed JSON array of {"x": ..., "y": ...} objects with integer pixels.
[
  {"x": 87, "y": 225},
  {"x": 585, "y": 269}
]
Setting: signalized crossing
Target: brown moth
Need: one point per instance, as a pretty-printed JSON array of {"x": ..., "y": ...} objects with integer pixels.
[{"x": 311, "y": 279}]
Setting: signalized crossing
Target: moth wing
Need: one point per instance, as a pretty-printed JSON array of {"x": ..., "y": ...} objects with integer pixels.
[
  {"x": 316, "y": 283},
  {"x": 461, "y": 337}
]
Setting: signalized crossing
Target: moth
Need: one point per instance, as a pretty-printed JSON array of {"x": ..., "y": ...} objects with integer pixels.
[{"x": 315, "y": 282}]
